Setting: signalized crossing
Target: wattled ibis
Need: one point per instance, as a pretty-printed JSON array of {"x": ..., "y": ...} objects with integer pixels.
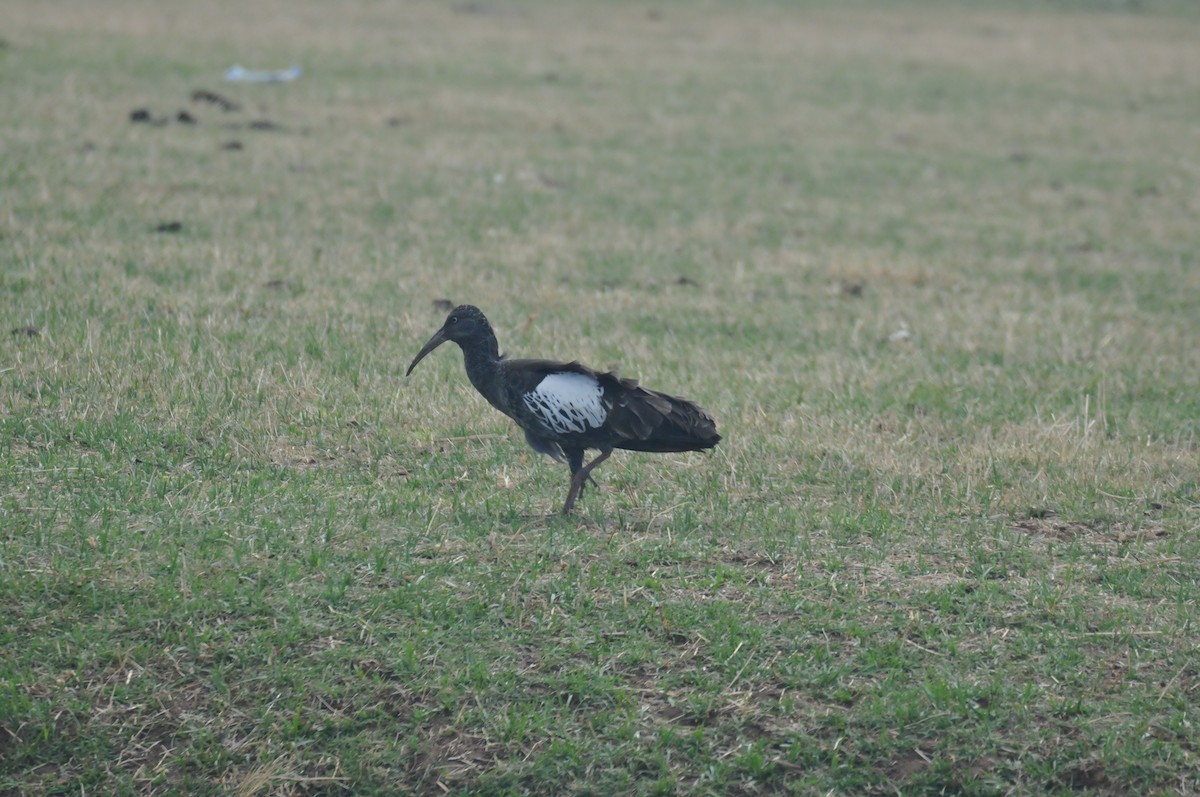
[{"x": 567, "y": 408}]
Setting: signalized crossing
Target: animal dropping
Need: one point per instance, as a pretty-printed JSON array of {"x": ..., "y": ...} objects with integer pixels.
[{"x": 566, "y": 408}]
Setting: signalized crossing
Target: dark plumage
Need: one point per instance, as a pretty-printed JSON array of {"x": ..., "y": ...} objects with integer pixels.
[{"x": 566, "y": 408}]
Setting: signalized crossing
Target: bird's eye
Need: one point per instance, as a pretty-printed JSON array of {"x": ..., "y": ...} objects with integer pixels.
[{"x": 453, "y": 319}]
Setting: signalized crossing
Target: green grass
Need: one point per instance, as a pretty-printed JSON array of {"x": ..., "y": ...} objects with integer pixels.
[{"x": 933, "y": 267}]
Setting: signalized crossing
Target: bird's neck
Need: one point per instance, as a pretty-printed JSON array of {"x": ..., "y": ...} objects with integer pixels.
[{"x": 481, "y": 357}]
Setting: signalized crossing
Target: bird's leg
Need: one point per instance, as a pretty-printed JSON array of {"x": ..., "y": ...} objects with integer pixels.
[
  {"x": 582, "y": 476},
  {"x": 575, "y": 463},
  {"x": 574, "y": 460}
]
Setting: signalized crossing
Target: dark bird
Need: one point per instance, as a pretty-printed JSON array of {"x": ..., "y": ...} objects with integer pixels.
[{"x": 566, "y": 408}]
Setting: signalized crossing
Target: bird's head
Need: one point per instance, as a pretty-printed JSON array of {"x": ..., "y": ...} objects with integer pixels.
[{"x": 465, "y": 323}]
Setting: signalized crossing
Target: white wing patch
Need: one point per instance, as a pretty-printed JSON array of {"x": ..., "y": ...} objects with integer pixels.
[{"x": 567, "y": 403}]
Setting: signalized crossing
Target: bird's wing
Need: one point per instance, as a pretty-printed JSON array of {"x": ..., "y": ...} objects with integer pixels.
[
  {"x": 567, "y": 402},
  {"x": 646, "y": 420},
  {"x": 570, "y": 398},
  {"x": 555, "y": 398}
]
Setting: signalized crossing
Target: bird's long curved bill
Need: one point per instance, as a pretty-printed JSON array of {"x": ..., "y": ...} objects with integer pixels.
[{"x": 438, "y": 339}]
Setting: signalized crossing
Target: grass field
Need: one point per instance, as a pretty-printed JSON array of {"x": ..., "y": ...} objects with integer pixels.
[{"x": 934, "y": 267}]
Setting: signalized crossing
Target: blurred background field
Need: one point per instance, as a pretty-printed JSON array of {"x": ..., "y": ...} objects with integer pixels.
[{"x": 932, "y": 266}]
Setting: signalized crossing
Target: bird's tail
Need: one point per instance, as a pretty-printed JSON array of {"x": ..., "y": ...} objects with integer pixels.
[{"x": 646, "y": 420}]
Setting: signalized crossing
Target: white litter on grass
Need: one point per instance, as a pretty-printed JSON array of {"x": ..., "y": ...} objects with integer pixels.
[{"x": 240, "y": 74}]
